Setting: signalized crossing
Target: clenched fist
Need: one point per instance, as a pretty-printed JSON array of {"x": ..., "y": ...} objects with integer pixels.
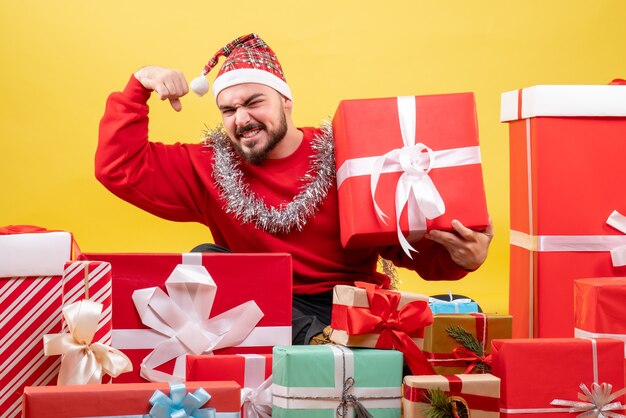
[{"x": 166, "y": 83}]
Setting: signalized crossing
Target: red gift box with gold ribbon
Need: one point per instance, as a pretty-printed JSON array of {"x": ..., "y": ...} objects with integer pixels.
[{"x": 367, "y": 316}]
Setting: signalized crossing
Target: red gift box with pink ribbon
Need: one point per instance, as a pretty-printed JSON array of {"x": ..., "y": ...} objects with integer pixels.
[
  {"x": 559, "y": 377},
  {"x": 171, "y": 305},
  {"x": 566, "y": 160},
  {"x": 367, "y": 316},
  {"x": 406, "y": 165}
]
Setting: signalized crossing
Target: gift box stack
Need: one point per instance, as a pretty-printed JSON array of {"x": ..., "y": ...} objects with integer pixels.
[
  {"x": 407, "y": 165},
  {"x": 567, "y": 251},
  {"x": 187, "y": 333}
]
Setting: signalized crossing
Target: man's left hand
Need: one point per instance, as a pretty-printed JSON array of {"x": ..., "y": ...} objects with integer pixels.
[{"x": 467, "y": 248}]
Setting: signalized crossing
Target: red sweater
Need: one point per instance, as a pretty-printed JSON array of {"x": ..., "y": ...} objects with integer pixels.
[{"x": 175, "y": 182}]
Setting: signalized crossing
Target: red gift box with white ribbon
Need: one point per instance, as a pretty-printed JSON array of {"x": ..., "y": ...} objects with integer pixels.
[
  {"x": 171, "y": 305},
  {"x": 406, "y": 165},
  {"x": 31, "y": 267},
  {"x": 543, "y": 377},
  {"x": 566, "y": 150},
  {"x": 251, "y": 371}
]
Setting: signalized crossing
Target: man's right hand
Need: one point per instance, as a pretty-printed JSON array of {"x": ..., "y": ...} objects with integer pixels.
[{"x": 166, "y": 83}]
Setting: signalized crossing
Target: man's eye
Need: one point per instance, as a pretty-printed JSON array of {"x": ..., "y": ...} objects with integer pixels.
[{"x": 228, "y": 112}]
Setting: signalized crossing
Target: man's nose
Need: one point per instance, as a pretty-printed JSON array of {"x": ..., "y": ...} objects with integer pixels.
[{"x": 241, "y": 116}]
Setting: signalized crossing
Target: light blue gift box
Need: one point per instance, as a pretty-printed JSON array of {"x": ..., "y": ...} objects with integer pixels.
[
  {"x": 323, "y": 381},
  {"x": 462, "y": 306}
]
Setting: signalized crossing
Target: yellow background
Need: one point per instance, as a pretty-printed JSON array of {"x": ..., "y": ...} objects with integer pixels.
[{"x": 60, "y": 60}]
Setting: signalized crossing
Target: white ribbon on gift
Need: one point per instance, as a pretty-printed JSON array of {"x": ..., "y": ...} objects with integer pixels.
[
  {"x": 414, "y": 160},
  {"x": 601, "y": 401},
  {"x": 615, "y": 244},
  {"x": 84, "y": 362},
  {"x": 183, "y": 317},
  {"x": 256, "y": 394},
  {"x": 330, "y": 397},
  {"x": 581, "y": 333}
]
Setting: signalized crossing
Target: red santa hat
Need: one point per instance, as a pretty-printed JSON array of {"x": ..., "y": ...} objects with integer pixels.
[{"x": 248, "y": 60}]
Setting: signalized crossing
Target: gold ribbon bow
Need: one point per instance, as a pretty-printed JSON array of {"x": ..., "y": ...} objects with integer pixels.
[
  {"x": 596, "y": 403},
  {"x": 84, "y": 362}
]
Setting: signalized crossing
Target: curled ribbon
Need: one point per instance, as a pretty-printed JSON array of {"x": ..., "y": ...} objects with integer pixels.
[
  {"x": 180, "y": 404},
  {"x": 395, "y": 326},
  {"x": 415, "y": 187},
  {"x": 84, "y": 362},
  {"x": 597, "y": 402},
  {"x": 257, "y": 403},
  {"x": 183, "y": 316},
  {"x": 463, "y": 354}
]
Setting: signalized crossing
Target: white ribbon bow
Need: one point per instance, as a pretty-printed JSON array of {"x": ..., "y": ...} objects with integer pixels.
[
  {"x": 618, "y": 254},
  {"x": 597, "y": 402},
  {"x": 183, "y": 316},
  {"x": 84, "y": 362},
  {"x": 415, "y": 187},
  {"x": 257, "y": 403}
]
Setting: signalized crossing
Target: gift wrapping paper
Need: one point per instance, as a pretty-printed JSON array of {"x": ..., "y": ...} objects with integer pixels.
[
  {"x": 314, "y": 381},
  {"x": 31, "y": 266},
  {"x": 599, "y": 307},
  {"x": 251, "y": 371},
  {"x": 535, "y": 372},
  {"x": 480, "y": 392},
  {"x": 90, "y": 280},
  {"x": 233, "y": 275},
  {"x": 366, "y": 316},
  {"x": 248, "y": 370},
  {"x": 444, "y": 353},
  {"x": 566, "y": 148},
  {"x": 119, "y": 400},
  {"x": 386, "y": 147}
]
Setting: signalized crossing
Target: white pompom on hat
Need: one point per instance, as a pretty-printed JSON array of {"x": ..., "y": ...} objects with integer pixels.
[{"x": 248, "y": 60}]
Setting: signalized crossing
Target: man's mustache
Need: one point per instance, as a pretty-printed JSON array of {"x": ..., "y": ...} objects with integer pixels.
[{"x": 249, "y": 127}]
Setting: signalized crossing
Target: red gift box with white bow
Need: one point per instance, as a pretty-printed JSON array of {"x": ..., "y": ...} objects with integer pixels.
[
  {"x": 171, "y": 305},
  {"x": 567, "y": 161},
  {"x": 406, "y": 165},
  {"x": 544, "y": 377}
]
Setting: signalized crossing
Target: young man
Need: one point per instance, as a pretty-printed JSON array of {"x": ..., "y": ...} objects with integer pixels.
[{"x": 260, "y": 184}]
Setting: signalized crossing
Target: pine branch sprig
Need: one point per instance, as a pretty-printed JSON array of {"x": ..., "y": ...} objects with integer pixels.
[
  {"x": 442, "y": 406},
  {"x": 439, "y": 407},
  {"x": 470, "y": 342}
]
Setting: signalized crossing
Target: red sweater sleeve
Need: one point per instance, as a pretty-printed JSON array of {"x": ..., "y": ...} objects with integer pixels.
[
  {"x": 155, "y": 177},
  {"x": 432, "y": 260}
]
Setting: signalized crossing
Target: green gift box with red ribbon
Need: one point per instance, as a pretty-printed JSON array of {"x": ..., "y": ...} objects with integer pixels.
[{"x": 368, "y": 316}]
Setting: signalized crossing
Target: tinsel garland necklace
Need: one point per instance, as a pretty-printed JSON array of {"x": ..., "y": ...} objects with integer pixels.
[{"x": 248, "y": 207}]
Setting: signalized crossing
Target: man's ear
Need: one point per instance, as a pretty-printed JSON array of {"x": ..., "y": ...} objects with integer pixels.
[{"x": 287, "y": 103}]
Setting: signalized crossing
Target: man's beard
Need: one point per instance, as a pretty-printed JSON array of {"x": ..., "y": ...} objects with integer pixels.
[{"x": 274, "y": 138}]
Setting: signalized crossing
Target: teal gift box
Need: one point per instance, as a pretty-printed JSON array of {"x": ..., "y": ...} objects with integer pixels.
[
  {"x": 323, "y": 381},
  {"x": 452, "y": 306}
]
